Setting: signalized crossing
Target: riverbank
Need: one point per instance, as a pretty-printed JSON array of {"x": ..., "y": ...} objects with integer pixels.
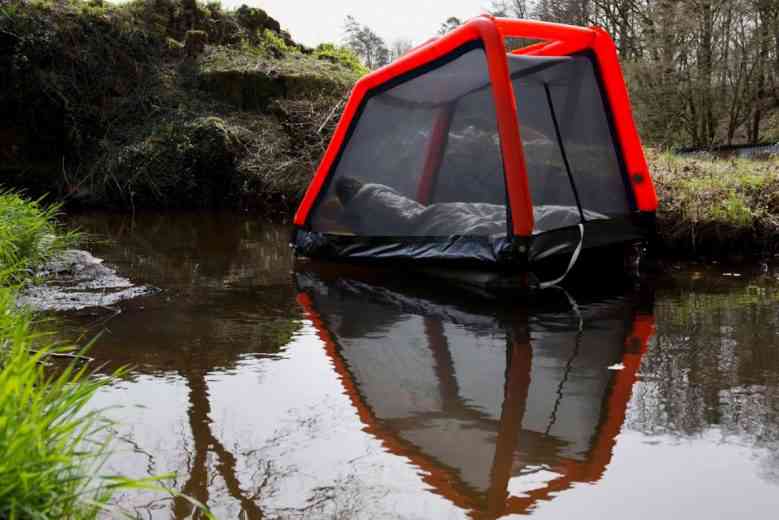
[
  {"x": 723, "y": 208},
  {"x": 162, "y": 104}
]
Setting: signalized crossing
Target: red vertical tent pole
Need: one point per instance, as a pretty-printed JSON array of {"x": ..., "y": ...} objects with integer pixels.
[
  {"x": 435, "y": 154},
  {"x": 629, "y": 140},
  {"x": 508, "y": 126}
]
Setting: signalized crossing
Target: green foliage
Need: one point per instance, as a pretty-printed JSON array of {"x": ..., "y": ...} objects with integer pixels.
[
  {"x": 715, "y": 205},
  {"x": 341, "y": 55},
  {"x": 48, "y": 440},
  {"x": 274, "y": 43},
  {"x": 49, "y": 443},
  {"x": 28, "y": 236}
]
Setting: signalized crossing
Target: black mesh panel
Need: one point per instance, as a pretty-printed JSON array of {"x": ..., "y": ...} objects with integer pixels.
[
  {"x": 472, "y": 163},
  {"x": 550, "y": 184},
  {"x": 378, "y": 184},
  {"x": 569, "y": 150},
  {"x": 588, "y": 141}
]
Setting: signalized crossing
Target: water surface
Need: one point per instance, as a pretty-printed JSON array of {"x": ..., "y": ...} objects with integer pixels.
[{"x": 276, "y": 391}]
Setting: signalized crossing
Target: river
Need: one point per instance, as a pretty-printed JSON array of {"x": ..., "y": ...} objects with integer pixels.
[{"x": 275, "y": 391}]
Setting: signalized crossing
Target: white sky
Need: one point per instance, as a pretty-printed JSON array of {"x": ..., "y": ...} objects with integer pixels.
[{"x": 313, "y": 21}]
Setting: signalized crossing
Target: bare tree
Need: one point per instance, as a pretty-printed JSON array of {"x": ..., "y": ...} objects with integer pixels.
[
  {"x": 450, "y": 24},
  {"x": 510, "y": 8},
  {"x": 366, "y": 44},
  {"x": 700, "y": 72},
  {"x": 400, "y": 47}
]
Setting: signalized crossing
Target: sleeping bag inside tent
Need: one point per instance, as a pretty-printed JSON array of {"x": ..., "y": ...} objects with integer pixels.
[{"x": 462, "y": 153}]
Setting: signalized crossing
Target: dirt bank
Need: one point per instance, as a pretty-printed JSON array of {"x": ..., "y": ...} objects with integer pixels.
[{"x": 162, "y": 103}]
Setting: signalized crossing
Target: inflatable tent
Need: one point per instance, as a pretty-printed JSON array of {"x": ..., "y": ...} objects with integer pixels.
[
  {"x": 499, "y": 405},
  {"x": 463, "y": 153}
]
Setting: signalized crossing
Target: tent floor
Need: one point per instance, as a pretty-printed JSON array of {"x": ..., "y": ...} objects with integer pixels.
[{"x": 611, "y": 264}]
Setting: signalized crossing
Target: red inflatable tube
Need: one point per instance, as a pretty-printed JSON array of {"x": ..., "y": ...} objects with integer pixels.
[{"x": 557, "y": 40}]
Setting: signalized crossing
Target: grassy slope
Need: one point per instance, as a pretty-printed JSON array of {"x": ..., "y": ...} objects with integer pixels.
[
  {"x": 161, "y": 103},
  {"x": 717, "y": 206}
]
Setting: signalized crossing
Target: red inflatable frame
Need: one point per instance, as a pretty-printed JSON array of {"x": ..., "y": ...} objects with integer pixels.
[{"x": 555, "y": 40}]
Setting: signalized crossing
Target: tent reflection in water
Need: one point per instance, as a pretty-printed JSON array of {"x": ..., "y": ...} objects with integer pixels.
[
  {"x": 460, "y": 153},
  {"x": 499, "y": 406}
]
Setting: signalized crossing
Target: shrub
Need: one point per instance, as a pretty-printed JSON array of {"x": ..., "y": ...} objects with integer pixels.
[{"x": 342, "y": 56}]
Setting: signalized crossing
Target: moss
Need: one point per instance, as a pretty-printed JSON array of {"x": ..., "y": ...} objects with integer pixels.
[
  {"x": 340, "y": 55},
  {"x": 245, "y": 90},
  {"x": 291, "y": 65}
]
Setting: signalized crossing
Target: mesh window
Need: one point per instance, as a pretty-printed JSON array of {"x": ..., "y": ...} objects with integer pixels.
[
  {"x": 472, "y": 164},
  {"x": 423, "y": 159},
  {"x": 564, "y": 127},
  {"x": 588, "y": 140}
]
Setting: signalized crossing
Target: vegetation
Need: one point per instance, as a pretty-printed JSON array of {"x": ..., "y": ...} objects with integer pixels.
[
  {"x": 52, "y": 445},
  {"x": 366, "y": 44},
  {"x": 45, "y": 470},
  {"x": 170, "y": 103},
  {"x": 47, "y": 439},
  {"x": 717, "y": 206},
  {"x": 700, "y": 72},
  {"x": 28, "y": 236},
  {"x": 113, "y": 104}
]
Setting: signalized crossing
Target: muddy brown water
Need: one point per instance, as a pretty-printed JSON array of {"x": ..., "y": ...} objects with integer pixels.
[{"x": 281, "y": 392}]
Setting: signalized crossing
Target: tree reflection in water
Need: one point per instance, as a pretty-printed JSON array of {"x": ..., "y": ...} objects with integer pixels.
[{"x": 714, "y": 365}]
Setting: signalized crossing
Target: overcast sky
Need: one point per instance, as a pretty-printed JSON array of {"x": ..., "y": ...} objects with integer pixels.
[{"x": 314, "y": 21}]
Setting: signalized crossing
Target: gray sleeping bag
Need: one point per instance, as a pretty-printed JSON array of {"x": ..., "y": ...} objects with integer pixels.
[{"x": 378, "y": 210}]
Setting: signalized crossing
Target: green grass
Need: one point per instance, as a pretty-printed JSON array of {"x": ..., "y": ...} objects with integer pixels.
[
  {"x": 47, "y": 438},
  {"x": 334, "y": 67},
  {"x": 29, "y": 236},
  {"x": 52, "y": 445},
  {"x": 717, "y": 206}
]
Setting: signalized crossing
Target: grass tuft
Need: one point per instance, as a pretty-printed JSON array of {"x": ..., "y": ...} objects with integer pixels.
[
  {"x": 29, "y": 236},
  {"x": 47, "y": 437}
]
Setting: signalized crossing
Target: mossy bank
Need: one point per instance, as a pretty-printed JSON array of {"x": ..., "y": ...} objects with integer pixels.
[{"x": 162, "y": 103}]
